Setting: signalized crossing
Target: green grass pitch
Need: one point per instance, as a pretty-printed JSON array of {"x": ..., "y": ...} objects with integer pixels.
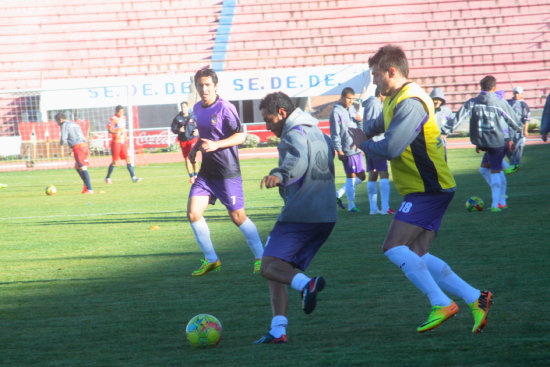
[{"x": 84, "y": 281}]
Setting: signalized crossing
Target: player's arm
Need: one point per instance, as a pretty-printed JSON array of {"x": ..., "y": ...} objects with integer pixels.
[
  {"x": 335, "y": 129},
  {"x": 213, "y": 145},
  {"x": 408, "y": 118},
  {"x": 293, "y": 166},
  {"x": 455, "y": 121},
  {"x": 63, "y": 136},
  {"x": 175, "y": 127}
]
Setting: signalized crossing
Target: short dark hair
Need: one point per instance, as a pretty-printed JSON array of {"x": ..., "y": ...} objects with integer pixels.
[
  {"x": 60, "y": 116},
  {"x": 205, "y": 72},
  {"x": 273, "y": 101},
  {"x": 346, "y": 91},
  {"x": 118, "y": 108},
  {"x": 184, "y": 102},
  {"x": 488, "y": 83},
  {"x": 390, "y": 56}
]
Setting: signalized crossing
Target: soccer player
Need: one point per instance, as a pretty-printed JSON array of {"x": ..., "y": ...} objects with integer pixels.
[
  {"x": 343, "y": 117},
  {"x": 71, "y": 134},
  {"x": 185, "y": 127},
  {"x": 372, "y": 109},
  {"x": 220, "y": 132},
  {"x": 421, "y": 175},
  {"x": 491, "y": 119},
  {"x": 305, "y": 177},
  {"x": 521, "y": 108},
  {"x": 119, "y": 144}
]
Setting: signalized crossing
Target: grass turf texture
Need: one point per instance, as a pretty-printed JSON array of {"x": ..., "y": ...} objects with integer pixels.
[{"x": 85, "y": 282}]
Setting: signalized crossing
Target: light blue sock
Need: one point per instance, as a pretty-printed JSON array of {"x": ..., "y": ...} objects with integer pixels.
[
  {"x": 385, "y": 194},
  {"x": 248, "y": 228},
  {"x": 448, "y": 280},
  {"x": 202, "y": 234},
  {"x": 415, "y": 270}
]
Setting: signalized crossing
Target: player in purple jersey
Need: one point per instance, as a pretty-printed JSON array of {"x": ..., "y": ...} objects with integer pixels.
[{"x": 220, "y": 132}]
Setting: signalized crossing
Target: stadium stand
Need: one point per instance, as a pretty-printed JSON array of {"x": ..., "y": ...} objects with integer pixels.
[{"x": 451, "y": 43}]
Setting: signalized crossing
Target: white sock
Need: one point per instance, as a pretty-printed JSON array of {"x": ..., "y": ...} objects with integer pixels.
[
  {"x": 299, "y": 281},
  {"x": 202, "y": 234},
  {"x": 356, "y": 181},
  {"x": 486, "y": 173},
  {"x": 505, "y": 164},
  {"x": 503, "y": 186},
  {"x": 278, "y": 326},
  {"x": 495, "y": 189},
  {"x": 385, "y": 194},
  {"x": 415, "y": 270},
  {"x": 350, "y": 192},
  {"x": 341, "y": 191},
  {"x": 372, "y": 190},
  {"x": 448, "y": 280},
  {"x": 248, "y": 228}
]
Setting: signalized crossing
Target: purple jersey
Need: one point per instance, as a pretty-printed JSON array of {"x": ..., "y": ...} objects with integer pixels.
[{"x": 217, "y": 122}]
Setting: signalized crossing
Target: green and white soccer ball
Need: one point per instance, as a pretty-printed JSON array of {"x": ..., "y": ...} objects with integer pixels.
[
  {"x": 204, "y": 331},
  {"x": 474, "y": 204},
  {"x": 51, "y": 190}
]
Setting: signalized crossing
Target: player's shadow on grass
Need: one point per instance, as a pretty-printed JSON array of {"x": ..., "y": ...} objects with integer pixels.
[{"x": 153, "y": 219}]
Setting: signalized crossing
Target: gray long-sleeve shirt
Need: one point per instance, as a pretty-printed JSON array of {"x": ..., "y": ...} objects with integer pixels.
[
  {"x": 71, "y": 134},
  {"x": 490, "y": 120},
  {"x": 341, "y": 119},
  {"x": 408, "y": 118},
  {"x": 306, "y": 171}
]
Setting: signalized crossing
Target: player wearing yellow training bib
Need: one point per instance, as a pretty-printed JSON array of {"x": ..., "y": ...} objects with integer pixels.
[{"x": 413, "y": 145}]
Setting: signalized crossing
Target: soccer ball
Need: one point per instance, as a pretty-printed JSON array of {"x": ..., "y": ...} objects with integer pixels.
[
  {"x": 204, "y": 331},
  {"x": 50, "y": 190},
  {"x": 474, "y": 204}
]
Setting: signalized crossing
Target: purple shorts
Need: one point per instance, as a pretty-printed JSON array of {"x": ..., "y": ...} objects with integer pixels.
[
  {"x": 424, "y": 209},
  {"x": 354, "y": 164},
  {"x": 494, "y": 157},
  {"x": 297, "y": 243},
  {"x": 377, "y": 165},
  {"x": 229, "y": 191}
]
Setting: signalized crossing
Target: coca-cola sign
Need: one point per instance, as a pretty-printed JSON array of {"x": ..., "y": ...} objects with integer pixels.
[
  {"x": 142, "y": 139},
  {"x": 154, "y": 139}
]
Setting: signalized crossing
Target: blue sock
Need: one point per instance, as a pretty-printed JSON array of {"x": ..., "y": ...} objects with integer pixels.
[
  {"x": 110, "y": 170},
  {"x": 86, "y": 179},
  {"x": 131, "y": 170}
]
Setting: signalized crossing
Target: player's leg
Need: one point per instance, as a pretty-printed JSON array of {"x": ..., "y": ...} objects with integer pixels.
[
  {"x": 498, "y": 187},
  {"x": 372, "y": 190},
  {"x": 115, "y": 153},
  {"x": 354, "y": 167},
  {"x": 196, "y": 205},
  {"x": 124, "y": 155},
  {"x": 276, "y": 268},
  {"x": 250, "y": 232},
  {"x": 384, "y": 187},
  {"x": 81, "y": 164},
  {"x": 409, "y": 237},
  {"x": 185, "y": 149}
]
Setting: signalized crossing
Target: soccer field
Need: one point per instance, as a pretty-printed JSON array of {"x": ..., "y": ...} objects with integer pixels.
[{"x": 84, "y": 281}]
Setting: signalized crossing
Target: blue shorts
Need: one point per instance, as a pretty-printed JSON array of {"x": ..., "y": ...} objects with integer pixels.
[
  {"x": 494, "y": 157},
  {"x": 297, "y": 243},
  {"x": 424, "y": 209},
  {"x": 228, "y": 190},
  {"x": 378, "y": 165},
  {"x": 354, "y": 164}
]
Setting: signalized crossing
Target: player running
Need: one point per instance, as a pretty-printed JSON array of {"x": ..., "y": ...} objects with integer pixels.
[
  {"x": 421, "y": 175},
  {"x": 119, "y": 144},
  {"x": 220, "y": 132},
  {"x": 305, "y": 177},
  {"x": 71, "y": 134}
]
